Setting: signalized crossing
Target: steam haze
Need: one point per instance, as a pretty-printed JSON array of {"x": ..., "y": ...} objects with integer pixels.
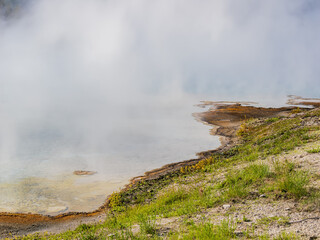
[{"x": 79, "y": 77}]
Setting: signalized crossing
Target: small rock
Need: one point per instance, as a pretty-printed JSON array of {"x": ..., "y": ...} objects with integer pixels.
[
  {"x": 287, "y": 209},
  {"x": 135, "y": 229},
  {"x": 263, "y": 196},
  {"x": 165, "y": 221},
  {"x": 226, "y": 206},
  {"x": 254, "y": 193},
  {"x": 239, "y": 234}
]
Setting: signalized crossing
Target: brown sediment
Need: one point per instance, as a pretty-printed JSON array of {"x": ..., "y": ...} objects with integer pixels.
[
  {"x": 225, "y": 117},
  {"x": 81, "y": 172},
  {"x": 204, "y": 104},
  {"x": 297, "y": 100}
]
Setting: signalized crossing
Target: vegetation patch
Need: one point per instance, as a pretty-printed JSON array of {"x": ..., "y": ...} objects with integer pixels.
[
  {"x": 238, "y": 183},
  {"x": 271, "y": 220},
  {"x": 314, "y": 150},
  {"x": 225, "y": 230},
  {"x": 283, "y": 181},
  {"x": 282, "y": 236}
]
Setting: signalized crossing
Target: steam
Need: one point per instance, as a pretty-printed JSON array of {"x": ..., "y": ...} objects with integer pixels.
[{"x": 80, "y": 73}]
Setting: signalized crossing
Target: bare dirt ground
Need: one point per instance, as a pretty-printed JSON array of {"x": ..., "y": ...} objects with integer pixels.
[{"x": 265, "y": 215}]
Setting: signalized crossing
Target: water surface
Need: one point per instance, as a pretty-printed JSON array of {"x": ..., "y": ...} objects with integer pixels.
[{"x": 38, "y": 176}]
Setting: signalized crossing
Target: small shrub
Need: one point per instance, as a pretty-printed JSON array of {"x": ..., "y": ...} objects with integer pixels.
[
  {"x": 115, "y": 202},
  {"x": 243, "y": 130},
  {"x": 296, "y": 110},
  {"x": 200, "y": 166}
]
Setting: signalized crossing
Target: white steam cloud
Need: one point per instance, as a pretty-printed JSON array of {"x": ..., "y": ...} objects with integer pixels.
[{"x": 74, "y": 71}]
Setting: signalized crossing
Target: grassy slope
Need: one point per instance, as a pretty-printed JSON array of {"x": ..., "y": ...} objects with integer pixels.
[{"x": 239, "y": 174}]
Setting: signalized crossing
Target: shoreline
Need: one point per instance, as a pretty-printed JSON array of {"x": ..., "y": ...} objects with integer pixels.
[{"x": 224, "y": 118}]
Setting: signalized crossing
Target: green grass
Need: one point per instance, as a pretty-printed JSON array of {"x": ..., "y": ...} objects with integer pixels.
[
  {"x": 265, "y": 139},
  {"x": 207, "y": 231},
  {"x": 284, "y": 181},
  {"x": 272, "y": 139},
  {"x": 281, "y": 236},
  {"x": 289, "y": 181},
  {"x": 314, "y": 150},
  {"x": 271, "y": 120},
  {"x": 238, "y": 183},
  {"x": 312, "y": 203},
  {"x": 294, "y": 184},
  {"x": 287, "y": 236},
  {"x": 270, "y": 220}
]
